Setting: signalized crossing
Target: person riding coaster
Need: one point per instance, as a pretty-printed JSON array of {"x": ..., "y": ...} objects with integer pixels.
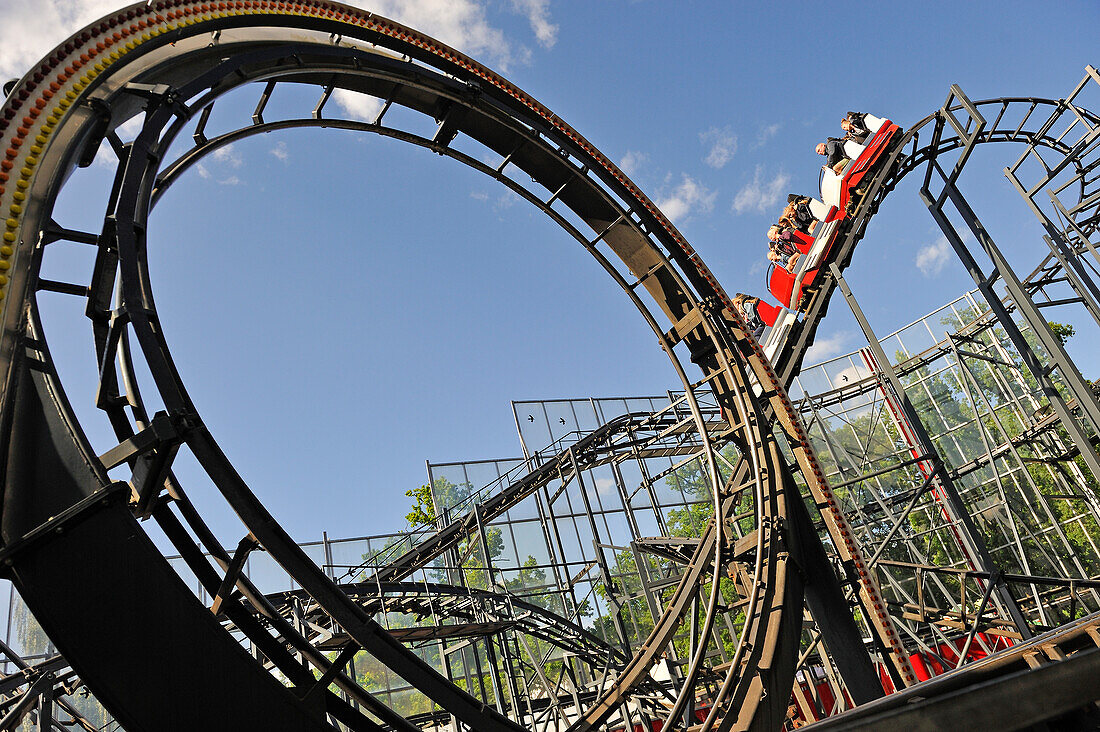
[
  {"x": 786, "y": 245},
  {"x": 850, "y": 161},
  {"x": 799, "y": 270},
  {"x": 859, "y": 126},
  {"x": 797, "y": 214},
  {"x": 838, "y": 153},
  {"x": 801, "y": 208},
  {"x": 758, "y": 314},
  {"x": 780, "y": 256},
  {"x": 845, "y": 180},
  {"x": 790, "y": 236}
]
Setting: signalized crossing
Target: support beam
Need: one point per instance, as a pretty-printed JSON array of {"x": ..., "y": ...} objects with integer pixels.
[{"x": 968, "y": 533}]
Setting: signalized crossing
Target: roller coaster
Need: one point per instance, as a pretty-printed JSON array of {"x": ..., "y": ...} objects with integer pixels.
[{"x": 797, "y": 602}]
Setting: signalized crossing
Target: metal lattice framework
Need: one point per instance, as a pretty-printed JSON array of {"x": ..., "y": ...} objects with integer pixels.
[{"x": 69, "y": 528}]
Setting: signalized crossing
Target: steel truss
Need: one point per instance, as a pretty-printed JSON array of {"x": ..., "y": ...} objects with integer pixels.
[
  {"x": 169, "y": 69},
  {"x": 67, "y": 523}
]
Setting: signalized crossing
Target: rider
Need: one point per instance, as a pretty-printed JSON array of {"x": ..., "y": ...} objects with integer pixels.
[
  {"x": 855, "y": 125},
  {"x": 758, "y": 315},
  {"x": 860, "y": 126},
  {"x": 833, "y": 150},
  {"x": 797, "y": 214},
  {"x": 783, "y": 247},
  {"x": 782, "y": 254}
]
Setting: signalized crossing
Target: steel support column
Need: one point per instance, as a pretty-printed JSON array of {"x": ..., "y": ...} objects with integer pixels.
[
  {"x": 969, "y": 534},
  {"x": 1041, "y": 373}
]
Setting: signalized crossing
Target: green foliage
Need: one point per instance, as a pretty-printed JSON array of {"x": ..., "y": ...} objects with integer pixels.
[
  {"x": 961, "y": 425},
  {"x": 692, "y": 482},
  {"x": 423, "y": 509},
  {"x": 528, "y": 580},
  {"x": 690, "y": 521},
  {"x": 1062, "y": 331}
]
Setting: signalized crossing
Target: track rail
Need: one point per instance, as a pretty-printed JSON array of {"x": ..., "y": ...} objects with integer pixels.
[
  {"x": 161, "y": 58},
  {"x": 464, "y": 605},
  {"x": 158, "y": 57}
]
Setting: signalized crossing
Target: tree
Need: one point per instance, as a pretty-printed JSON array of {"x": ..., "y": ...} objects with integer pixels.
[
  {"x": 422, "y": 512},
  {"x": 1062, "y": 331},
  {"x": 1006, "y": 498}
]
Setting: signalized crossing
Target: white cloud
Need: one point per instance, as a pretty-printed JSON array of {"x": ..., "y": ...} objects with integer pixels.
[
  {"x": 761, "y": 195},
  {"x": 538, "y": 15},
  {"x": 479, "y": 195},
  {"x": 825, "y": 348},
  {"x": 362, "y": 107},
  {"x": 458, "y": 23},
  {"x": 215, "y": 164},
  {"x": 850, "y": 375},
  {"x": 687, "y": 198},
  {"x": 506, "y": 200},
  {"x": 932, "y": 258},
  {"x": 722, "y": 143},
  {"x": 280, "y": 151},
  {"x": 227, "y": 156},
  {"x": 633, "y": 162},
  {"x": 129, "y": 129},
  {"x": 766, "y": 133},
  {"x": 105, "y": 156},
  {"x": 605, "y": 486},
  {"x": 32, "y": 27}
]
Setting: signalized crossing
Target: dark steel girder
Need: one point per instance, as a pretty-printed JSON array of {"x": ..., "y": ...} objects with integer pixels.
[
  {"x": 185, "y": 70},
  {"x": 166, "y": 72},
  {"x": 468, "y": 604}
]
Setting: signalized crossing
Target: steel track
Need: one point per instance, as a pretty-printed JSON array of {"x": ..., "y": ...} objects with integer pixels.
[{"x": 173, "y": 60}]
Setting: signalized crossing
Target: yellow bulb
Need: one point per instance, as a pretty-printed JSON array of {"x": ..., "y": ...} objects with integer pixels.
[
  {"x": 4, "y": 264},
  {"x": 9, "y": 236},
  {"x": 19, "y": 196},
  {"x": 6, "y": 251},
  {"x": 12, "y": 224},
  {"x": 15, "y": 209},
  {"x": 21, "y": 184}
]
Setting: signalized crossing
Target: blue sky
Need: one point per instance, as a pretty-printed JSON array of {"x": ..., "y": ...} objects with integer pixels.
[{"x": 343, "y": 307}]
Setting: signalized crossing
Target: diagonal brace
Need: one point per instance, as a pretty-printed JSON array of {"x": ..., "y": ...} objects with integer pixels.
[{"x": 233, "y": 572}]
